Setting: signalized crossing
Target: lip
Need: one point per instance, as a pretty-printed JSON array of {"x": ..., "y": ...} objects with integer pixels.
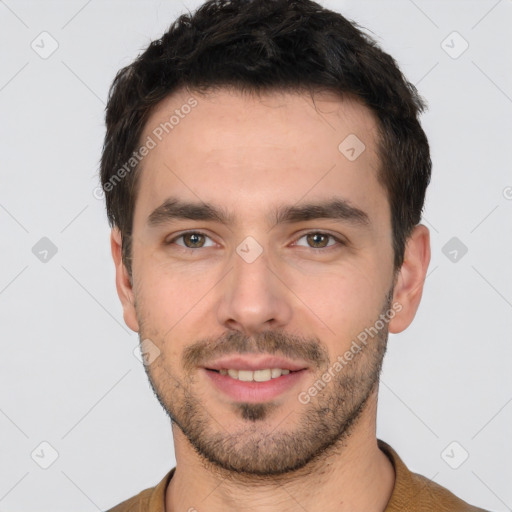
[
  {"x": 254, "y": 363},
  {"x": 254, "y": 392}
]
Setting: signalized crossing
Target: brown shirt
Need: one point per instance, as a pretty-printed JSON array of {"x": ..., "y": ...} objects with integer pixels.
[{"x": 412, "y": 493}]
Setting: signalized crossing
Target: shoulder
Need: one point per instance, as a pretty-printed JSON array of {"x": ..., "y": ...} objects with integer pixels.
[
  {"x": 137, "y": 503},
  {"x": 432, "y": 496},
  {"x": 149, "y": 500},
  {"x": 416, "y": 493}
]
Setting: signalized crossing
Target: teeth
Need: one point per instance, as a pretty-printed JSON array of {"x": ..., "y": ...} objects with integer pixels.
[
  {"x": 245, "y": 375},
  {"x": 262, "y": 375},
  {"x": 256, "y": 376}
]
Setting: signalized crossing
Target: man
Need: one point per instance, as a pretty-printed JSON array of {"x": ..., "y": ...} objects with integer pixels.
[{"x": 265, "y": 172}]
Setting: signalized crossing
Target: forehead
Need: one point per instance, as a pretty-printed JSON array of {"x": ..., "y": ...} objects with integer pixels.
[{"x": 246, "y": 151}]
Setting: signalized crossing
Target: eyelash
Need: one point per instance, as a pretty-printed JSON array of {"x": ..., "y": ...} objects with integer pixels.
[{"x": 338, "y": 241}]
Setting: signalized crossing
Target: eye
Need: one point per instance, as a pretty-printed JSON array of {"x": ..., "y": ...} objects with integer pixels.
[
  {"x": 318, "y": 240},
  {"x": 312, "y": 240},
  {"x": 192, "y": 240}
]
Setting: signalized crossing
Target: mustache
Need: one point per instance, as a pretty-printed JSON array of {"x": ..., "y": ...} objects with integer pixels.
[{"x": 279, "y": 343}]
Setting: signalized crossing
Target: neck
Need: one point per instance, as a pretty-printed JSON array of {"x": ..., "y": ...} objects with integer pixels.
[{"x": 353, "y": 476}]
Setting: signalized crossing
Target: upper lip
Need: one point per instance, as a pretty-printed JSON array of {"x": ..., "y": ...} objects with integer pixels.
[{"x": 254, "y": 362}]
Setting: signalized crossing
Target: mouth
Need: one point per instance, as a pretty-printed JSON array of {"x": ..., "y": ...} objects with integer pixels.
[
  {"x": 254, "y": 379},
  {"x": 253, "y": 376}
]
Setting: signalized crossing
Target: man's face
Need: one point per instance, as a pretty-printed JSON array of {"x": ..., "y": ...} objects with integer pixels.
[{"x": 274, "y": 252}]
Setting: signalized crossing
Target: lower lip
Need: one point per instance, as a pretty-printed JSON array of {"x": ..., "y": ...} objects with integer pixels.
[{"x": 254, "y": 391}]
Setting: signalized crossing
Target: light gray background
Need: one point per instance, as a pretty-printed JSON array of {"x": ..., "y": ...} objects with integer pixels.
[{"x": 68, "y": 372}]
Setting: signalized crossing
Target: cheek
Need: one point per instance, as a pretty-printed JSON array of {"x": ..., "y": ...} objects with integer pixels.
[
  {"x": 341, "y": 302},
  {"x": 170, "y": 296}
]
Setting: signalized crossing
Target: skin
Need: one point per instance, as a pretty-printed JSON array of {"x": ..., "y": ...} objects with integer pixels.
[{"x": 249, "y": 155}]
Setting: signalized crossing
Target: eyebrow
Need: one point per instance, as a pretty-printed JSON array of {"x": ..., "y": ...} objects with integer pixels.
[{"x": 333, "y": 209}]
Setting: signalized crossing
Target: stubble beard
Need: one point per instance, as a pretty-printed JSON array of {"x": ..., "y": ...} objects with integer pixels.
[{"x": 259, "y": 449}]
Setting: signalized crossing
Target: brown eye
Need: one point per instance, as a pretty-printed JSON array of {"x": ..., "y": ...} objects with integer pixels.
[
  {"x": 318, "y": 240},
  {"x": 192, "y": 240}
]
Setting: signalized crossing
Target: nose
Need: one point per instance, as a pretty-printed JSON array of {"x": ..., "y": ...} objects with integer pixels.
[{"x": 253, "y": 298}]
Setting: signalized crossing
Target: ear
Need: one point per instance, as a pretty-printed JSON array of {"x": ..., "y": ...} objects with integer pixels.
[
  {"x": 123, "y": 282},
  {"x": 411, "y": 277}
]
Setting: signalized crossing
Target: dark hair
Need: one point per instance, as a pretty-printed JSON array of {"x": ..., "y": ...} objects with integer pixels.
[{"x": 263, "y": 46}]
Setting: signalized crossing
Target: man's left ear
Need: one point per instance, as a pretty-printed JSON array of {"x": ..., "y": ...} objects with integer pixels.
[{"x": 411, "y": 277}]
